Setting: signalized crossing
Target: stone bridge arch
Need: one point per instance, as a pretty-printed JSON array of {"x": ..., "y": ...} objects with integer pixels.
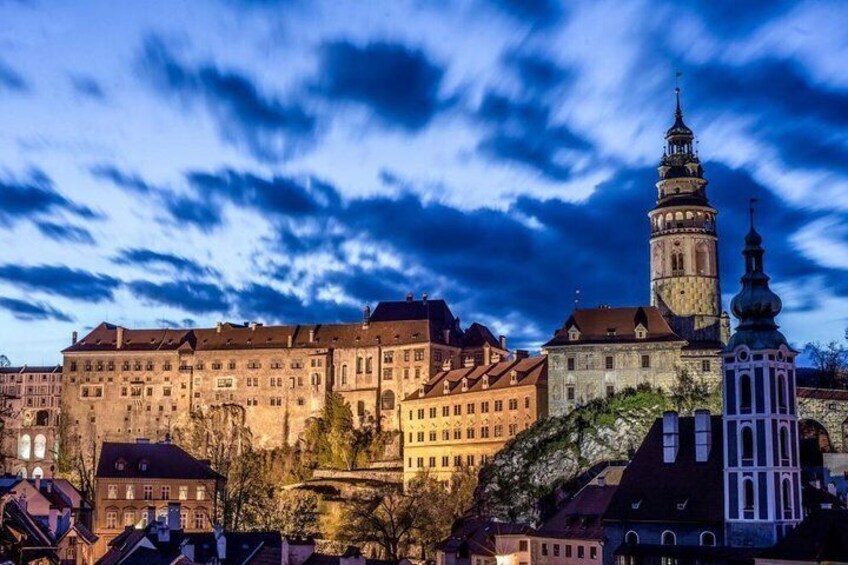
[{"x": 829, "y": 408}]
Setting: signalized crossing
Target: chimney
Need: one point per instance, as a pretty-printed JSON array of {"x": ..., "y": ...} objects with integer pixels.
[
  {"x": 163, "y": 534},
  {"x": 424, "y": 298},
  {"x": 366, "y": 316},
  {"x": 150, "y": 512},
  {"x": 671, "y": 436},
  {"x": 218, "y": 327},
  {"x": 220, "y": 542},
  {"x": 409, "y": 297},
  {"x": 53, "y": 520},
  {"x": 487, "y": 354},
  {"x": 502, "y": 341},
  {"x": 703, "y": 435},
  {"x": 290, "y": 340},
  {"x": 311, "y": 335},
  {"x": 521, "y": 354},
  {"x": 174, "y": 516},
  {"x": 74, "y": 336},
  {"x": 120, "y": 338}
]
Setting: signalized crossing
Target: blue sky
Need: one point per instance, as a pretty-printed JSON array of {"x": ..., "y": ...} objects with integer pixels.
[{"x": 172, "y": 163}]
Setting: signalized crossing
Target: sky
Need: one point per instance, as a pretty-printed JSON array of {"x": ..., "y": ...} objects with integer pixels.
[{"x": 177, "y": 163}]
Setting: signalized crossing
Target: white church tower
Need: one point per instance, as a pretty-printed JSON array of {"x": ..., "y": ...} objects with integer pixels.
[{"x": 762, "y": 476}]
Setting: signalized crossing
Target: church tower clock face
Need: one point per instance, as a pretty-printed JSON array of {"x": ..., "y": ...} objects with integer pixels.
[{"x": 684, "y": 242}]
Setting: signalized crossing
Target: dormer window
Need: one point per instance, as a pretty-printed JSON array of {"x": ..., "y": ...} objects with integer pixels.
[
  {"x": 641, "y": 332},
  {"x": 485, "y": 382},
  {"x": 681, "y": 504},
  {"x": 513, "y": 377},
  {"x": 610, "y": 332},
  {"x": 636, "y": 504},
  {"x": 446, "y": 388},
  {"x": 121, "y": 464},
  {"x": 573, "y": 334},
  {"x": 143, "y": 465},
  {"x": 464, "y": 384}
]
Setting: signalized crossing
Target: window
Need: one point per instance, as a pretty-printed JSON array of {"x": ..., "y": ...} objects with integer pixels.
[
  {"x": 130, "y": 492},
  {"x": 513, "y": 404},
  {"x": 420, "y": 413},
  {"x": 498, "y": 405},
  {"x": 498, "y": 430},
  {"x": 457, "y": 434},
  {"x": 668, "y": 538},
  {"x": 457, "y": 410},
  {"x": 148, "y": 492},
  {"x": 783, "y": 438},
  {"x": 608, "y": 363},
  {"x": 199, "y": 520},
  {"x": 469, "y": 409},
  {"x": 631, "y": 538},
  {"x": 433, "y": 436},
  {"x": 522, "y": 545},
  {"x": 225, "y": 382},
  {"x": 705, "y": 366},
  {"x": 387, "y": 374},
  {"x": 747, "y": 444},
  {"x": 368, "y": 364},
  {"x": 388, "y": 357},
  {"x": 610, "y": 391},
  {"x": 24, "y": 446},
  {"x": 786, "y": 493},
  {"x": 745, "y": 394},
  {"x": 646, "y": 361},
  {"x": 593, "y": 553},
  {"x": 568, "y": 551},
  {"x": 544, "y": 549},
  {"x": 556, "y": 550},
  {"x": 112, "y": 492},
  {"x": 420, "y": 436},
  {"x": 387, "y": 400},
  {"x": 406, "y": 355},
  {"x": 569, "y": 392},
  {"x": 432, "y": 411},
  {"x": 513, "y": 429},
  {"x": 469, "y": 433},
  {"x": 445, "y": 435},
  {"x": 581, "y": 552},
  {"x": 484, "y": 432},
  {"x": 782, "y": 405},
  {"x": 183, "y": 493},
  {"x": 469, "y": 460},
  {"x": 677, "y": 262},
  {"x": 484, "y": 406},
  {"x": 748, "y": 494},
  {"x": 708, "y": 539},
  {"x": 570, "y": 363},
  {"x": 111, "y": 520},
  {"x": 165, "y": 492}
]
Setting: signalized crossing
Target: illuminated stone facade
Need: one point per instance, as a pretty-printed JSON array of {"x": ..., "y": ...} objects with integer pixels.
[
  {"x": 31, "y": 399},
  {"x": 462, "y": 417}
]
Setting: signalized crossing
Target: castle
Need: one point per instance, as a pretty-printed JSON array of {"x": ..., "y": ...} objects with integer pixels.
[{"x": 599, "y": 351}]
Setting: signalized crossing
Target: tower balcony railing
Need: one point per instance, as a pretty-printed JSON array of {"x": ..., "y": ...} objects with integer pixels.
[{"x": 676, "y": 229}]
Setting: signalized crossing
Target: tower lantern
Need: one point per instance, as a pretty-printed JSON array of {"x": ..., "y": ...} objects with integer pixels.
[{"x": 684, "y": 242}]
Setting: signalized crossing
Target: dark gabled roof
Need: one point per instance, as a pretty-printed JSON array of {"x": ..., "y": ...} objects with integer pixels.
[
  {"x": 240, "y": 545},
  {"x": 477, "y": 335},
  {"x": 651, "y": 490},
  {"x": 581, "y": 517},
  {"x": 432, "y": 310},
  {"x": 614, "y": 325},
  {"x": 528, "y": 371},
  {"x": 821, "y": 537},
  {"x": 477, "y": 536},
  {"x": 164, "y": 461}
]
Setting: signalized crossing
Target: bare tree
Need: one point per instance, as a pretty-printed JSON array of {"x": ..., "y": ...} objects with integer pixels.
[
  {"x": 831, "y": 361},
  {"x": 385, "y": 517}
]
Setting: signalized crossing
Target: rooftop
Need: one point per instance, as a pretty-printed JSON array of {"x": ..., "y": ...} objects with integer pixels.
[
  {"x": 150, "y": 460},
  {"x": 521, "y": 372},
  {"x": 614, "y": 325}
]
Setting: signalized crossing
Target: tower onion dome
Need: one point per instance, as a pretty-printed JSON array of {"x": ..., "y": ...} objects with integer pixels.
[{"x": 756, "y": 305}]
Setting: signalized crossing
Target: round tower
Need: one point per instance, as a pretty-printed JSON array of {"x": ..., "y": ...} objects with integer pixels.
[{"x": 684, "y": 250}]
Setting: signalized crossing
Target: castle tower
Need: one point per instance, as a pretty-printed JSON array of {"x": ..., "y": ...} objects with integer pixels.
[
  {"x": 762, "y": 476},
  {"x": 684, "y": 253}
]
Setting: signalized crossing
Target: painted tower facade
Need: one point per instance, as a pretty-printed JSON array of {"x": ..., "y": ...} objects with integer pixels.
[
  {"x": 684, "y": 250},
  {"x": 762, "y": 476}
]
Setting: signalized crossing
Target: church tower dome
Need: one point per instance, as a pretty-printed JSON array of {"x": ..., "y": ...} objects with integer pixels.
[
  {"x": 762, "y": 474},
  {"x": 684, "y": 242}
]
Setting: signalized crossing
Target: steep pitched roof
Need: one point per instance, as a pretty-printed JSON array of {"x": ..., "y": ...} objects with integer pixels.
[
  {"x": 478, "y": 335},
  {"x": 690, "y": 491},
  {"x": 614, "y": 325},
  {"x": 821, "y": 538},
  {"x": 478, "y": 537},
  {"x": 581, "y": 517},
  {"x": 528, "y": 371},
  {"x": 164, "y": 461}
]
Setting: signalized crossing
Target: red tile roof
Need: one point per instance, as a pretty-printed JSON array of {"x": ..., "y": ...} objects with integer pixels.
[
  {"x": 822, "y": 393},
  {"x": 528, "y": 371},
  {"x": 615, "y": 325}
]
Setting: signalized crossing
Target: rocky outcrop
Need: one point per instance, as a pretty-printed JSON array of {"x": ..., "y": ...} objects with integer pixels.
[{"x": 556, "y": 451}]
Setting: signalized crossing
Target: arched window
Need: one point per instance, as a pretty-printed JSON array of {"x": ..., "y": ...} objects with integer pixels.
[
  {"x": 747, "y": 494},
  {"x": 782, "y": 403},
  {"x": 784, "y": 444},
  {"x": 316, "y": 379},
  {"x": 24, "y": 447},
  {"x": 387, "y": 400},
  {"x": 668, "y": 538},
  {"x": 38, "y": 473},
  {"x": 745, "y": 393},
  {"x": 786, "y": 492},
  {"x": 40, "y": 446},
  {"x": 708, "y": 538},
  {"x": 22, "y": 472},
  {"x": 677, "y": 263},
  {"x": 631, "y": 538},
  {"x": 747, "y": 444}
]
